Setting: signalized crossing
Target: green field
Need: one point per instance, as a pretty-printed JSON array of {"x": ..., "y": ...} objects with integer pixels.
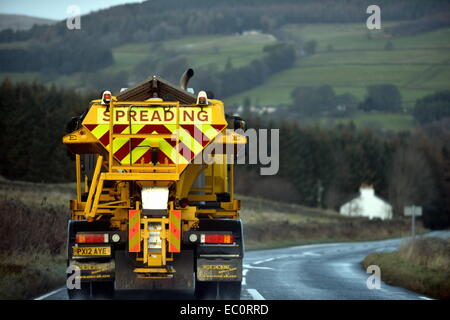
[
  {"x": 200, "y": 52},
  {"x": 215, "y": 51},
  {"x": 418, "y": 65}
]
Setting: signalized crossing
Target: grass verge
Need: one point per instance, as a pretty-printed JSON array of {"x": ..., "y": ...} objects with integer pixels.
[
  {"x": 30, "y": 274},
  {"x": 422, "y": 266},
  {"x": 33, "y": 222}
]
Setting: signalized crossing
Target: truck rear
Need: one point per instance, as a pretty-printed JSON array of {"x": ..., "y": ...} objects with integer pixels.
[{"x": 155, "y": 205}]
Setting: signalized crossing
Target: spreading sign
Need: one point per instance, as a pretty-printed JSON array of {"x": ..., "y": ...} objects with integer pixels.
[{"x": 155, "y": 115}]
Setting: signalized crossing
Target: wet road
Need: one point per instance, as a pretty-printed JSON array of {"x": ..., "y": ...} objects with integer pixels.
[{"x": 312, "y": 272}]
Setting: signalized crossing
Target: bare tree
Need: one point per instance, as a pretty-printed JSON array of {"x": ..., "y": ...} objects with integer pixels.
[
  {"x": 267, "y": 187},
  {"x": 410, "y": 180}
]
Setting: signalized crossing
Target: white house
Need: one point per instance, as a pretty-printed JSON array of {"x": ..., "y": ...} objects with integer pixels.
[{"x": 367, "y": 205}]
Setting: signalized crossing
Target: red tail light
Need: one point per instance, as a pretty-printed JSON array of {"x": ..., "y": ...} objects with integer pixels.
[
  {"x": 217, "y": 238},
  {"x": 91, "y": 238}
]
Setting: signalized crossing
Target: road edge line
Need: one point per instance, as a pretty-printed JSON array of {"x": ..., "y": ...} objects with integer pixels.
[
  {"x": 49, "y": 294},
  {"x": 255, "y": 294}
]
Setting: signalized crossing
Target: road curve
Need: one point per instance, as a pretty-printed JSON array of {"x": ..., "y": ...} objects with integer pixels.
[
  {"x": 321, "y": 272},
  {"x": 311, "y": 272}
]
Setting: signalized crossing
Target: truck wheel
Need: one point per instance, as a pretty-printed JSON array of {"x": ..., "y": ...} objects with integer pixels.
[
  {"x": 84, "y": 293},
  {"x": 230, "y": 290},
  {"x": 206, "y": 290},
  {"x": 103, "y": 290}
]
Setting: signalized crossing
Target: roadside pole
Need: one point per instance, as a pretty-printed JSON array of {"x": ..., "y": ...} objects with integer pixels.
[{"x": 413, "y": 211}]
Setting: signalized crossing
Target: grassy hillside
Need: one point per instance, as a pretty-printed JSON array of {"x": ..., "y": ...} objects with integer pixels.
[
  {"x": 21, "y": 22},
  {"x": 200, "y": 52},
  {"x": 349, "y": 57},
  {"x": 33, "y": 223},
  {"x": 422, "y": 265}
]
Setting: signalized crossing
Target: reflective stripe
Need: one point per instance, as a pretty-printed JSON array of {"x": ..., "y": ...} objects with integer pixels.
[
  {"x": 134, "y": 231},
  {"x": 100, "y": 130},
  {"x": 174, "y": 230},
  {"x": 192, "y": 140}
]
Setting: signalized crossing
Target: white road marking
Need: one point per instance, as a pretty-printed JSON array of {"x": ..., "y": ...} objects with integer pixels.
[
  {"x": 311, "y": 254},
  {"x": 247, "y": 266},
  {"x": 255, "y": 294},
  {"x": 49, "y": 294},
  {"x": 262, "y": 261},
  {"x": 244, "y": 281}
]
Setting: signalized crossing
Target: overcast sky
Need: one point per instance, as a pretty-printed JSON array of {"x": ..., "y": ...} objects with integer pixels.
[{"x": 55, "y": 9}]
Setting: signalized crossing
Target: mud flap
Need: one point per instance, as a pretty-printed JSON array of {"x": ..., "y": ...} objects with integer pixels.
[
  {"x": 219, "y": 269},
  {"x": 95, "y": 271},
  {"x": 183, "y": 278}
]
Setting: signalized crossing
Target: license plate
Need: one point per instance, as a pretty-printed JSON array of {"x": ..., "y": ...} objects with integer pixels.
[{"x": 91, "y": 251}]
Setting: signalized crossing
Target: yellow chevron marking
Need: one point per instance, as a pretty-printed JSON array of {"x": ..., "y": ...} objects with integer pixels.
[
  {"x": 137, "y": 152},
  {"x": 118, "y": 143},
  {"x": 207, "y": 130},
  {"x": 190, "y": 142},
  {"x": 171, "y": 152},
  {"x": 100, "y": 130}
]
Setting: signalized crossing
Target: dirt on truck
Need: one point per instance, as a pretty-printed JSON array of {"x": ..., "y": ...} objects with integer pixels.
[{"x": 155, "y": 206}]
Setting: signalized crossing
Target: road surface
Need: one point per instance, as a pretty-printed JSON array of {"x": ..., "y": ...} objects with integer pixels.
[{"x": 312, "y": 272}]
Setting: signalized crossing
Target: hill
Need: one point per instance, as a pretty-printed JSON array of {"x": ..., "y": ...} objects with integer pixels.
[
  {"x": 21, "y": 22},
  {"x": 410, "y": 51},
  {"x": 349, "y": 57}
]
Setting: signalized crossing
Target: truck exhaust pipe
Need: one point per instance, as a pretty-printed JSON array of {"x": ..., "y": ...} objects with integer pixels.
[{"x": 187, "y": 75}]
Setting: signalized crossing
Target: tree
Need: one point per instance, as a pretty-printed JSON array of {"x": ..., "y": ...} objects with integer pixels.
[
  {"x": 410, "y": 180},
  {"x": 433, "y": 107},
  {"x": 32, "y": 124},
  {"x": 312, "y": 101},
  {"x": 382, "y": 97},
  {"x": 228, "y": 65},
  {"x": 389, "y": 45},
  {"x": 346, "y": 104},
  {"x": 310, "y": 47},
  {"x": 246, "y": 107}
]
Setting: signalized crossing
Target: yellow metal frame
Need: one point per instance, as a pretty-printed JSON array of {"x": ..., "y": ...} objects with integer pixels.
[{"x": 116, "y": 201}]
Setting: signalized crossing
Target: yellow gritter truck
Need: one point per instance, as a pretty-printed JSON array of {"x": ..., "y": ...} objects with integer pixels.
[{"x": 154, "y": 205}]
